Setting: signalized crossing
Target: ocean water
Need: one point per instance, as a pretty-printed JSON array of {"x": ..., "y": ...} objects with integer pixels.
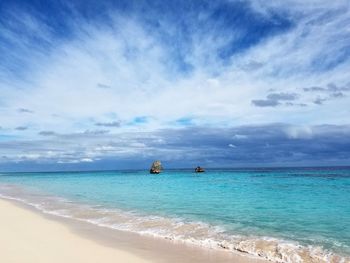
[{"x": 284, "y": 215}]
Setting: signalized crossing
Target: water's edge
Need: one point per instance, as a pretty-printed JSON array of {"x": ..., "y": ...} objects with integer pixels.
[{"x": 174, "y": 229}]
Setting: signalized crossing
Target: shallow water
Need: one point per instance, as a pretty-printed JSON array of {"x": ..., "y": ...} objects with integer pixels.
[{"x": 286, "y": 215}]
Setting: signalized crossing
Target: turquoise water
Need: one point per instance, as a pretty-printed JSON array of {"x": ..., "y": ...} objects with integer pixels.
[{"x": 293, "y": 209}]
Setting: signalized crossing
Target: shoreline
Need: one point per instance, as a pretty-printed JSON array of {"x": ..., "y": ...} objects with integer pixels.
[{"x": 84, "y": 242}]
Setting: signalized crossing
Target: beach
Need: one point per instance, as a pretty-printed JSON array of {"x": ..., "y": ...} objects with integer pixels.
[
  {"x": 220, "y": 216},
  {"x": 28, "y": 236},
  {"x": 174, "y": 131}
]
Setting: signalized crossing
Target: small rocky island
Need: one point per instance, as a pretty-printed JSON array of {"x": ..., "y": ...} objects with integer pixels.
[
  {"x": 156, "y": 167},
  {"x": 199, "y": 169}
]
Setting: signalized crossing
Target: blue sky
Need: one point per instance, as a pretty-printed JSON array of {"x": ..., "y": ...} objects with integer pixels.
[{"x": 116, "y": 84}]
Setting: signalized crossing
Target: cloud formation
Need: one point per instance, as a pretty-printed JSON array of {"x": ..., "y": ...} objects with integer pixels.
[
  {"x": 282, "y": 96},
  {"x": 275, "y": 99},
  {"x": 22, "y": 110},
  {"x": 108, "y": 124},
  {"x": 69, "y": 68},
  {"x": 21, "y": 128},
  {"x": 266, "y": 103},
  {"x": 263, "y": 145},
  {"x": 47, "y": 133},
  {"x": 329, "y": 92}
]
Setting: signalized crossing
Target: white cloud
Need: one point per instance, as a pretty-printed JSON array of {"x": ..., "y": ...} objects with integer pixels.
[
  {"x": 136, "y": 70},
  {"x": 240, "y": 136},
  {"x": 86, "y": 160},
  {"x": 299, "y": 132}
]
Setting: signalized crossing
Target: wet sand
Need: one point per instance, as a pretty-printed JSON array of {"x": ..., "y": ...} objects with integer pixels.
[{"x": 29, "y": 236}]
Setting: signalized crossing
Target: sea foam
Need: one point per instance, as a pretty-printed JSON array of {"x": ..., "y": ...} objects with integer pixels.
[{"x": 175, "y": 229}]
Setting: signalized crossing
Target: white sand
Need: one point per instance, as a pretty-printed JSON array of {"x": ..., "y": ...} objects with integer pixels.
[{"x": 27, "y": 237}]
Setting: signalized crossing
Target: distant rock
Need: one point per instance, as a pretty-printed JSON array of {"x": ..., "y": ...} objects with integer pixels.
[
  {"x": 156, "y": 167},
  {"x": 199, "y": 169}
]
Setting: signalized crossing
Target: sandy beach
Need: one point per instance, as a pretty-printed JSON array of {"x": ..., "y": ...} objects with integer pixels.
[{"x": 28, "y": 236}]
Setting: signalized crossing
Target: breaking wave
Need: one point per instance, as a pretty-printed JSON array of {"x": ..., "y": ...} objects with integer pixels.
[{"x": 175, "y": 229}]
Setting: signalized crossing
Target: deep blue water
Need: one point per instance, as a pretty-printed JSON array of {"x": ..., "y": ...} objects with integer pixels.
[{"x": 310, "y": 206}]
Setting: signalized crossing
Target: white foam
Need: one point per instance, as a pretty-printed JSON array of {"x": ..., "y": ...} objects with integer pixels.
[{"x": 179, "y": 230}]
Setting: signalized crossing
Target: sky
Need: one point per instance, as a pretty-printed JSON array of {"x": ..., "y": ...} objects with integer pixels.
[{"x": 88, "y": 85}]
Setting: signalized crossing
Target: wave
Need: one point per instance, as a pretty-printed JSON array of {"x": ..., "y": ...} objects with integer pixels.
[{"x": 175, "y": 229}]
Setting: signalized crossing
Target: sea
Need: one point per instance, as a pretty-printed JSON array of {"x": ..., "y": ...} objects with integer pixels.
[{"x": 279, "y": 214}]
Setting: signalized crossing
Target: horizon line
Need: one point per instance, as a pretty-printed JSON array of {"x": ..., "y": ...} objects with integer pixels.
[{"x": 184, "y": 168}]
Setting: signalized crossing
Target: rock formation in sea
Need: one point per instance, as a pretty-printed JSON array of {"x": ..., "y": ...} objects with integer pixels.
[
  {"x": 199, "y": 169},
  {"x": 156, "y": 167}
]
